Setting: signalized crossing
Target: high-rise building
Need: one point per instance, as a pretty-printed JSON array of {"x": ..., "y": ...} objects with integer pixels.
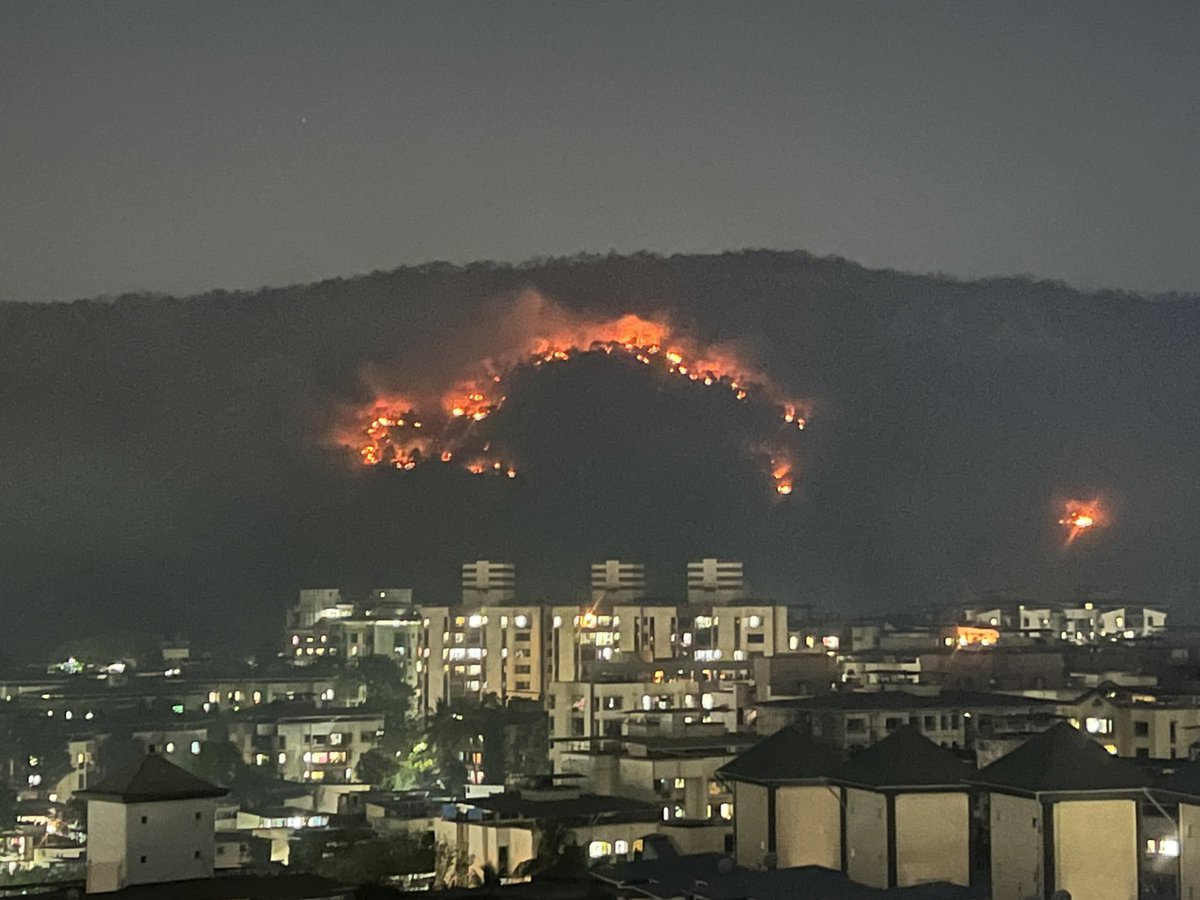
[
  {"x": 715, "y": 581},
  {"x": 485, "y": 581},
  {"x": 614, "y": 581}
]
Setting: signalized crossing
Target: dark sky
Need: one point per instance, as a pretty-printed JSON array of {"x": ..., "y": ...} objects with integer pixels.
[{"x": 176, "y": 147}]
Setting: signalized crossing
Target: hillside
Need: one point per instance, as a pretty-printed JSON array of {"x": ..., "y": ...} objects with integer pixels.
[{"x": 182, "y": 453}]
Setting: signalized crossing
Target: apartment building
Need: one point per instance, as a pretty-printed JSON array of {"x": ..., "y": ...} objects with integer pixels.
[
  {"x": 616, "y": 581},
  {"x": 855, "y": 720},
  {"x": 1138, "y": 722},
  {"x": 715, "y": 581},
  {"x": 318, "y": 747}
]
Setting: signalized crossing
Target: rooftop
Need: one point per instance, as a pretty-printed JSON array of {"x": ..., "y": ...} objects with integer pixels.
[
  {"x": 152, "y": 779},
  {"x": 906, "y": 759},
  {"x": 905, "y": 700},
  {"x": 715, "y": 877},
  {"x": 789, "y": 756},
  {"x": 1061, "y": 760},
  {"x": 572, "y": 806}
]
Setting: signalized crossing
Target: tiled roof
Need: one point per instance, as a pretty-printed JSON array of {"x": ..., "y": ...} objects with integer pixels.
[
  {"x": 789, "y": 756},
  {"x": 906, "y": 758},
  {"x": 150, "y": 779},
  {"x": 1062, "y": 760}
]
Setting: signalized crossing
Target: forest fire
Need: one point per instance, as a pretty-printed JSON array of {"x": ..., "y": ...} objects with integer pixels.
[
  {"x": 453, "y": 432},
  {"x": 1079, "y": 516}
]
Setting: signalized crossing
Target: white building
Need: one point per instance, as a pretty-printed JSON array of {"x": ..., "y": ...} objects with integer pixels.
[
  {"x": 487, "y": 581},
  {"x": 715, "y": 581},
  {"x": 149, "y": 824}
]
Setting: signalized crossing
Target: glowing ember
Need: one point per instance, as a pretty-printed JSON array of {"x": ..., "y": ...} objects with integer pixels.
[
  {"x": 1079, "y": 516},
  {"x": 388, "y": 439}
]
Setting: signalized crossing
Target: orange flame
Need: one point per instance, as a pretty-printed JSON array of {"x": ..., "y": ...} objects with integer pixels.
[
  {"x": 385, "y": 441},
  {"x": 1079, "y": 516}
]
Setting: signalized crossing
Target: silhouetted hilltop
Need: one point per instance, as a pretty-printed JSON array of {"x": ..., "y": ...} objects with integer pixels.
[{"x": 173, "y": 461}]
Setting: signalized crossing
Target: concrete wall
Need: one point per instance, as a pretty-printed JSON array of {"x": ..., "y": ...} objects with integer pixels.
[
  {"x": 933, "y": 838},
  {"x": 1016, "y": 824},
  {"x": 866, "y": 837},
  {"x": 750, "y": 830},
  {"x": 1189, "y": 851},
  {"x": 1095, "y": 849},
  {"x": 808, "y": 827},
  {"x": 175, "y": 842}
]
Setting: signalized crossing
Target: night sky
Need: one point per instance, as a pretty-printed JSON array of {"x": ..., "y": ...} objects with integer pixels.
[
  {"x": 177, "y": 147},
  {"x": 172, "y": 462}
]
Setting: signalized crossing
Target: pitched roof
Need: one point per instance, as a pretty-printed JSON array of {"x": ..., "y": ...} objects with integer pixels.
[
  {"x": 789, "y": 756},
  {"x": 906, "y": 758},
  {"x": 150, "y": 779},
  {"x": 1061, "y": 760}
]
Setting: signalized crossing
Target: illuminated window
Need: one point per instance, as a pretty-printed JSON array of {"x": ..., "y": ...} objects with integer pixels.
[
  {"x": 170, "y": 746},
  {"x": 620, "y": 847},
  {"x": 680, "y": 783},
  {"x": 195, "y": 748},
  {"x": 754, "y": 621},
  {"x": 281, "y": 759},
  {"x": 521, "y": 621},
  {"x": 214, "y": 696},
  {"x": 599, "y": 849},
  {"x": 1098, "y": 726}
]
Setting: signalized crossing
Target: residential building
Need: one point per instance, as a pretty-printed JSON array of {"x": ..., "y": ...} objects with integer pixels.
[
  {"x": 315, "y": 747},
  {"x": 616, "y": 581},
  {"x": 715, "y": 581},
  {"x": 856, "y": 720},
  {"x": 148, "y": 824},
  {"x": 907, "y": 813},
  {"x": 1063, "y": 816},
  {"x": 502, "y": 831},
  {"x": 486, "y": 581},
  {"x": 787, "y": 809}
]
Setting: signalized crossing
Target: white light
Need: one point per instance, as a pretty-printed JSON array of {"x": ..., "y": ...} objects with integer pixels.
[
  {"x": 170, "y": 746},
  {"x": 1168, "y": 847},
  {"x": 755, "y": 621},
  {"x": 521, "y": 621}
]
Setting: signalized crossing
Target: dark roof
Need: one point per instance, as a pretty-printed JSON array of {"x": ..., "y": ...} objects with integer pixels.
[
  {"x": 789, "y": 756},
  {"x": 226, "y": 887},
  {"x": 1182, "y": 780},
  {"x": 906, "y": 758},
  {"x": 1061, "y": 760},
  {"x": 902, "y": 700},
  {"x": 150, "y": 779},
  {"x": 681, "y": 876},
  {"x": 512, "y": 805}
]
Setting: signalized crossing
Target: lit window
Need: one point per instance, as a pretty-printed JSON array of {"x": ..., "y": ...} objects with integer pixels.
[
  {"x": 214, "y": 696},
  {"x": 1168, "y": 847},
  {"x": 195, "y": 748},
  {"x": 1098, "y": 726},
  {"x": 620, "y": 847},
  {"x": 754, "y": 621},
  {"x": 599, "y": 849},
  {"x": 170, "y": 746},
  {"x": 521, "y": 621},
  {"x": 281, "y": 758},
  {"x": 475, "y": 621},
  {"x": 680, "y": 783}
]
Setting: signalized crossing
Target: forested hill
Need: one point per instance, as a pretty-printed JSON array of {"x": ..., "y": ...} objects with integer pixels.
[{"x": 172, "y": 463}]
